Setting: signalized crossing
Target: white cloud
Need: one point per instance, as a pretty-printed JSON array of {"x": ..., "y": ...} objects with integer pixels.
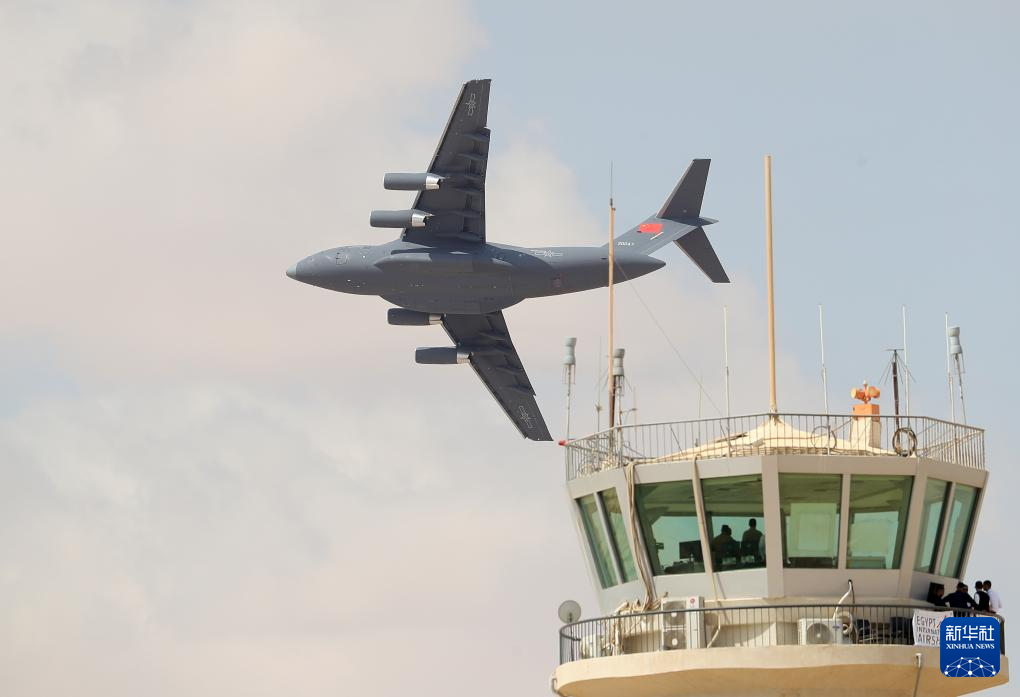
[{"x": 188, "y": 530}]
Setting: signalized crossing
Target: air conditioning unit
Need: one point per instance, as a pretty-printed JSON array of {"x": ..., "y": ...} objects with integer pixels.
[
  {"x": 682, "y": 629},
  {"x": 822, "y": 631}
]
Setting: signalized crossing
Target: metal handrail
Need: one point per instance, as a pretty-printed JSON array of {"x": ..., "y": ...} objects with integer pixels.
[
  {"x": 746, "y": 626},
  {"x": 777, "y": 434}
]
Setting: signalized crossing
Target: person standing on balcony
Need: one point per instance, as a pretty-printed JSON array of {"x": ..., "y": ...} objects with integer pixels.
[
  {"x": 981, "y": 597},
  {"x": 994, "y": 601},
  {"x": 961, "y": 599}
]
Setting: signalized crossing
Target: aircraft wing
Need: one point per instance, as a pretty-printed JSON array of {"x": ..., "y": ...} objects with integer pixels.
[
  {"x": 495, "y": 359},
  {"x": 457, "y": 207}
]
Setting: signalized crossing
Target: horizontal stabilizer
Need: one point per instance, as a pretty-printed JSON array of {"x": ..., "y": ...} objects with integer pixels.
[{"x": 696, "y": 245}]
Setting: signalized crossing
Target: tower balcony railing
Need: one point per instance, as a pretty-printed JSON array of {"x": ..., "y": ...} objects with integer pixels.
[
  {"x": 750, "y": 626},
  {"x": 777, "y": 434}
]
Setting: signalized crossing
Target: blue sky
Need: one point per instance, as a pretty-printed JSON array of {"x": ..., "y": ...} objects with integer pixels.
[
  {"x": 892, "y": 128},
  {"x": 205, "y": 467}
]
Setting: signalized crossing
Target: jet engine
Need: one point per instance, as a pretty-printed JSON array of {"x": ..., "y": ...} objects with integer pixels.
[
  {"x": 441, "y": 355},
  {"x": 411, "y": 181},
  {"x": 409, "y": 218},
  {"x": 411, "y": 318}
]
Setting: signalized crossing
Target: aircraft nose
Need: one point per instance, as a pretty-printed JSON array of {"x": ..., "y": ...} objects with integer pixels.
[{"x": 292, "y": 271}]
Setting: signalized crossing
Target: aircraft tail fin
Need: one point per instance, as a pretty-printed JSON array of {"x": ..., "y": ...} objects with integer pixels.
[
  {"x": 685, "y": 201},
  {"x": 680, "y": 221}
]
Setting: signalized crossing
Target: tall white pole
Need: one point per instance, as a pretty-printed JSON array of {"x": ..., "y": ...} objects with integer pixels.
[
  {"x": 949, "y": 376},
  {"x": 569, "y": 385},
  {"x": 569, "y": 364},
  {"x": 726, "y": 356},
  {"x": 612, "y": 263},
  {"x": 906, "y": 366},
  {"x": 825, "y": 377},
  {"x": 773, "y": 408},
  {"x": 598, "y": 390}
]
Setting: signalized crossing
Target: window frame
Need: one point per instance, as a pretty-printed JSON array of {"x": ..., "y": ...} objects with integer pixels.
[
  {"x": 902, "y": 522},
  {"x": 967, "y": 534},
  {"x": 621, "y": 568},
  {"x": 647, "y": 537},
  {"x": 709, "y": 530},
  {"x": 612, "y": 578},
  {"x": 937, "y": 538},
  {"x": 841, "y": 527}
]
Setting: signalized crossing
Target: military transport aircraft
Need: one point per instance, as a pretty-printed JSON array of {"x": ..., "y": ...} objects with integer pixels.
[{"x": 443, "y": 271}]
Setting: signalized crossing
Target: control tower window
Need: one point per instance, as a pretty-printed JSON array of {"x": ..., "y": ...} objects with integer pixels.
[
  {"x": 935, "y": 493},
  {"x": 960, "y": 514},
  {"x": 731, "y": 504},
  {"x": 597, "y": 542},
  {"x": 878, "y": 520},
  {"x": 618, "y": 534},
  {"x": 669, "y": 525},
  {"x": 810, "y": 520}
]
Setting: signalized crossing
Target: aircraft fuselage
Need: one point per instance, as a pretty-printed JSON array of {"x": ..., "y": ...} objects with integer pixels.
[{"x": 468, "y": 278}]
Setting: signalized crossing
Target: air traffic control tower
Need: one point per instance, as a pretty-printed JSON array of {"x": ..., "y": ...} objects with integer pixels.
[{"x": 778, "y": 554}]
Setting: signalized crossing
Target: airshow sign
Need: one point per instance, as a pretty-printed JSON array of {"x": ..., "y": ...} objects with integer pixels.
[{"x": 926, "y": 627}]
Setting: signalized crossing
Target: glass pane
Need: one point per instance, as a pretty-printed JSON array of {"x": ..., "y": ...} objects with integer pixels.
[
  {"x": 878, "y": 520},
  {"x": 810, "y": 506},
  {"x": 669, "y": 524},
  {"x": 736, "y": 521},
  {"x": 618, "y": 529},
  {"x": 960, "y": 513},
  {"x": 935, "y": 492},
  {"x": 597, "y": 540}
]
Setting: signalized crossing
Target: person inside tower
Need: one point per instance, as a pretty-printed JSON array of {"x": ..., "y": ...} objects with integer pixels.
[
  {"x": 961, "y": 599},
  {"x": 751, "y": 541},
  {"x": 724, "y": 547},
  {"x": 981, "y": 597}
]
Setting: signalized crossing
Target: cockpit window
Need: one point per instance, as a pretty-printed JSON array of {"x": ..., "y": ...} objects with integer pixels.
[{"x": 341, "y": 257}]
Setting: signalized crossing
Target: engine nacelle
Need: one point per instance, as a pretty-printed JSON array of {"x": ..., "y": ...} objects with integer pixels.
[
  {"x": 409, "y": 218},
  {"x": 441, "y": 355},
  {"x": 411, "y": 181},
  {"x": 411, "y": 318}
]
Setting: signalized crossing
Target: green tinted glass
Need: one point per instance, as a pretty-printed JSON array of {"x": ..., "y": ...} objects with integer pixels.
[
  {"x": 878, "y": 520},
  {"x": 597, "y": 542},
  {"x": 961, "y": 511},
  {"x": 618, "y": 529},
  {"x": 736, "y": 521},
  {"x": 669, "y": 525},
  {"x": 935, "y": 492},
  {"x": 810, "y": 507}
]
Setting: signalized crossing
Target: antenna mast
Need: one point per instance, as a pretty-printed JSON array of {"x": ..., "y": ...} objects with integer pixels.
[
  {"x": 956, "y": 350},
  {"x": 726, "y": 356},
  {"x": 618, "y": 380},
  {"x": 773, "y": 409},
  {"x": 949, "y": 376},
  {"x": 896, "y": 384},
  {"x": 906, "y": 365},
  {"x": 569, "y": 364},
  {"x": 825, "y": 377},
  {"x": 612, "y": 263},
  {"x": 598, "y": 391}
]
